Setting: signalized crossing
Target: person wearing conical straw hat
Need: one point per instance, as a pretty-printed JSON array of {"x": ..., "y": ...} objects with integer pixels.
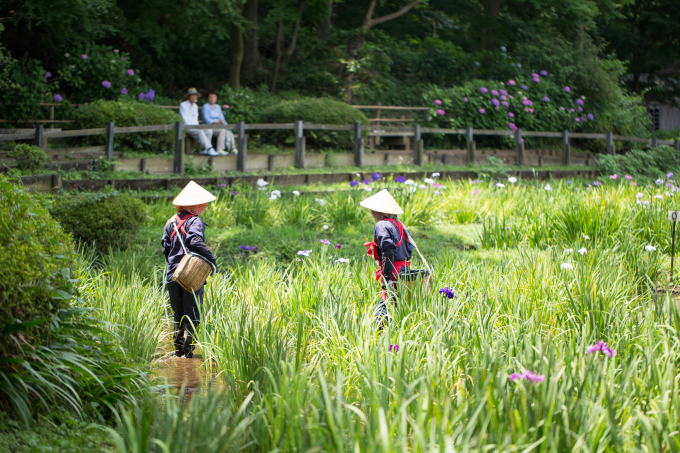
[
  {"x": 392, "y": 247},
  {"x": 189, "y": 204}
]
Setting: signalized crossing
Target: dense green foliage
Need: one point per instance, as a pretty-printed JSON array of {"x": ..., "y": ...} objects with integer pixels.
[
  {"x": 36, "y": 258},
  {"x": 317, "y": 111},
  {"x": 104, "y": 220},
  {"x": 124, "y": 113},
  {"x": 303, "y": 346},
  {"x": 651, "y": 163},
  {"x": 28, "y": 157}
]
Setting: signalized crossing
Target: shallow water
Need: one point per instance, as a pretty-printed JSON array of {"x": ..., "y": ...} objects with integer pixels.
[{"x": 190, "y": 373}]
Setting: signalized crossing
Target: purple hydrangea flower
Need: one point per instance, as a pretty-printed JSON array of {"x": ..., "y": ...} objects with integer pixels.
[
  {"x": 400, "y": 179},
  {"x": 465, "y": 99},
  {"x": 505, "y": 104},
  {"x": 590, "y": 116},
  {"x": 438, "y": 102},
  {"x": 106, "y": 84},
  {"x": 546, "y": 99},
  {"x": 483, "y": 90},
  {"x": 524, "y": 87},
  {"x": 123, "y": 91},
  {"x": 529, "y": 376},
  {"x": 579, "y": 101},
  {"x": 494, "y": 93},
  {"x": 48, "y": 75},
  {"x": 512, "y": 126},
  {"x": 448, "y": 292},
  {"x": 150, "y": 95},
  {"x": 353, "y": 183},
  {"x": 141, "y": 96},
  {"x": 376, "y": 176},
  {"x": 527, "y": 102},
  {"x": 83, "y": 56},
  {"x": 325, "y": 241},
  {"x": 130, "y": 72},
  {"x": 511, "y": 115},
  {"x": 567, "y": 89},
  {"x": 58, "y": 98},
  {"x": 495, "y": 102},
  {"x": 503, "y": 93},
  {"x": 544, "y": 73},
  {"x": 601, "y": 346},
  {"x": 580, "y": 109}
]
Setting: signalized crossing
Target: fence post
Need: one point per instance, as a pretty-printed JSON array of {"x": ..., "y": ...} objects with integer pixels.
[
  {"x": 471, "y": 146},
  {"x": 179, "y": 157},
  {"x": 358, "y": 145},
  {"x": 610, "y": 144},
  {"x": 109, "y": 140},
  {"x": 418, "y": 145},
  {"x": 655, "y": 142},
  {"x": 242, "y": 148},
  {"x": 39, "y": 135},
  {"x": 299, "y": 145},
  {"x": 520, "y": 147},
  {"x": 566, "y": 148}
]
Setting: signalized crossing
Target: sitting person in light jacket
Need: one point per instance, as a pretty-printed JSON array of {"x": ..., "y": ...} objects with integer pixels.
[
  {"x": 212, "y": 114},
  {"x": 188, "y": 110}
]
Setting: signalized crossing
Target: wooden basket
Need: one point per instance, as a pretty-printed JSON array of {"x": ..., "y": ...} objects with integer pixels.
[{"x": 192, "y": 272}]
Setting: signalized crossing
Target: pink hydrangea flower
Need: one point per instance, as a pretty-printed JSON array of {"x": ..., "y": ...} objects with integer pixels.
[
  {"x": 511, "y": 82},
  {"x": 130, "y": 72},
  {"x": 482, "y": 111},
  {"x": 483, "y": 90},
  {"x": 567, "y": 89},
  {"x": 438, "y": 102},
  {"x": 441, "y": 112}
]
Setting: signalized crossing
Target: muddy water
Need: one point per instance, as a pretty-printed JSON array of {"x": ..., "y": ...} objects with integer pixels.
[{"x": 190, "y": 373}]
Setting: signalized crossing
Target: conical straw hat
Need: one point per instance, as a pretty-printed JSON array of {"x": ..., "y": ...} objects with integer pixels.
[
  {"x": 193, "y": 195},
  {"x": 382, "y": 202}
]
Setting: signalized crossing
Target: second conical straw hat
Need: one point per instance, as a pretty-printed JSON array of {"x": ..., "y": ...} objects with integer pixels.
[
  {"x": 382, "y": 202},
  {"x": 193, "y": 195}
]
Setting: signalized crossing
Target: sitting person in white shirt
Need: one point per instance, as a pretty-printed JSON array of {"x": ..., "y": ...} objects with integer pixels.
[{"x": 188, "y": 110}]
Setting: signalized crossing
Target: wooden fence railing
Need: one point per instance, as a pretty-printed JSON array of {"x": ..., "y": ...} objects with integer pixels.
[{"x": 40, "y": 134}]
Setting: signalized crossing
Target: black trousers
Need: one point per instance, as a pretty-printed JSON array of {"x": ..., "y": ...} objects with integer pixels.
[
  {"x": 381, "y": 311},
  {"x": 184, "y": 304}
]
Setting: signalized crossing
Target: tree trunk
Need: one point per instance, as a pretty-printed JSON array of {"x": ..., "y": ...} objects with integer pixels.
[
  {"x": 279, "y": 45},
  {"x": 251, "y": 53},
  {"x": 296, "y": 28},
  {"x": 236, "y": 57},
  {"x": 493, "y": 9},
  {"x": 325, "y": 23}
]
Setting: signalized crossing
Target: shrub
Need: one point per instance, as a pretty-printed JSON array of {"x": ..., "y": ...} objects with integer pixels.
[
  {"x": 125, "y": 114},
  {"x": 28, "y": 88},
  {"x": 317, "y": 111},
  {"x": 35, "y": 259},
  {"x": 650, "y": 163},
  {"x": 28, "y": 157},
  {"x": 105, "y": 220},
  {"x": 245, "y": 104}
]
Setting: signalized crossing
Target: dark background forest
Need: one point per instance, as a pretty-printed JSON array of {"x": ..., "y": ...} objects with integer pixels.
[{"x": 359, "y": 51}]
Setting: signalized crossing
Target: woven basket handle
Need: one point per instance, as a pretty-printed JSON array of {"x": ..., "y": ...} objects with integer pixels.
[{"x": 174, "y": 223}]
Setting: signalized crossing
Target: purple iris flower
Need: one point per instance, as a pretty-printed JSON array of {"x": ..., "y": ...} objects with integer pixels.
[
  {"x": 393, "y": 347},
  {"x": 448, "y": 292},
  {"x": 353, "y": 183},
  {"x": 669, "y": 175},
  {"x": 366, "y": 181},
  {"x": 325, "y": 241},
  {"x": 400, "y": 179},
  {"x": 476, "y": 181},
  {"x": 529, "y": 376},
  {"x": 338, "y": 246},
  {"x": 601, "y": 346},
  {"x": 376, "y": 176},
  {"x": 234, "y": 193}
]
